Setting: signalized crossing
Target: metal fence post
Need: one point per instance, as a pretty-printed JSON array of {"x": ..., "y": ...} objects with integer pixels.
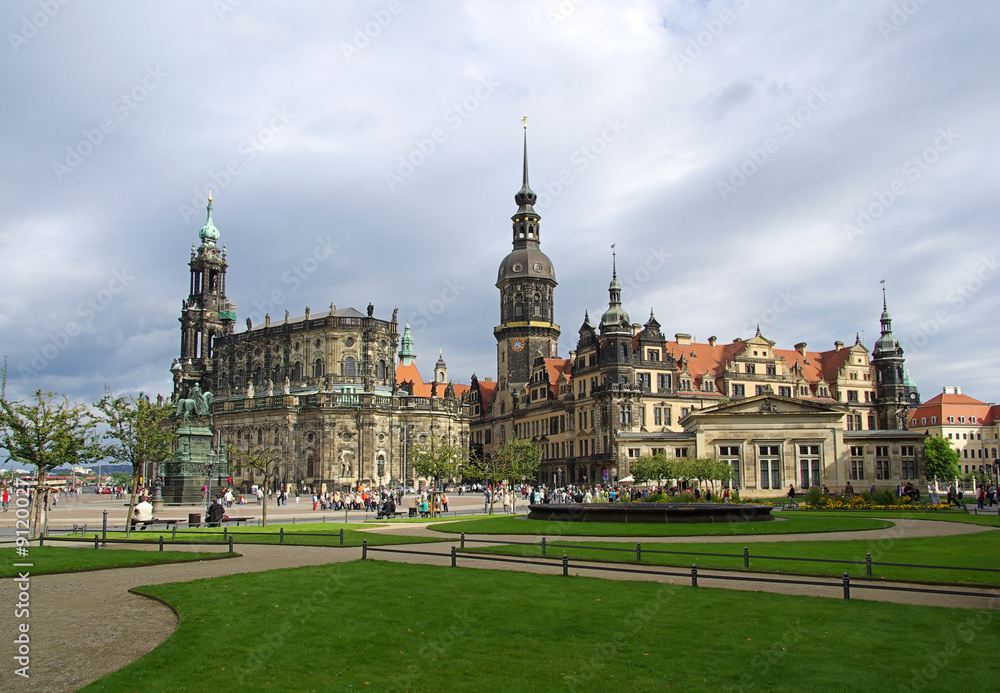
[
  {"x": 161, "y": 542},
  {"x": 847, "y": 585},
  {"x": 225, "y": 533},
  {"x": 463, "y": 540},
  {"x": 104, "y": 530},
  {"x": 694, "y": 575},
  {"x": 454, "y": 557},
  {"x": 638, "y": 552},
  {"x": 746, "y": 558},
  {"x": 41, "y": 540},
  {"x": 543, "y": 546},
  {"x": 565, "y": 565},
  {"x": 364, "y": 549},
  {"x": 230, "y": 543},
  {"x": 173, "y": 533},
  {"x": 96, "y": 539},
  {"x": 341, "y": 536},
  {"x": 281, "y": 535},
  {"x": 868, "y": 563}
]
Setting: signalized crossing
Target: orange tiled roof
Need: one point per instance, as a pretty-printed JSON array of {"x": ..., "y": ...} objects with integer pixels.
[
  {"x": 948, "y": 404},
  {"x": 420, "y": 388}
]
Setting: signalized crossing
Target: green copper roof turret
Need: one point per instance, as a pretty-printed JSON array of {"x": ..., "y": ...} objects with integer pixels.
[
  {"x": 209, "y": 234},
  {"x": 406, "y": 351}
]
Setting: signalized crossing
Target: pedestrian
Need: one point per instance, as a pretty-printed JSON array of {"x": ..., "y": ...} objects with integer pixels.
[
  {"x": 980, "y": 498},
  {"x": 444, "y": 501},
  {"x": 6, "y": 498},
  {"x": 848, "y": 489}
]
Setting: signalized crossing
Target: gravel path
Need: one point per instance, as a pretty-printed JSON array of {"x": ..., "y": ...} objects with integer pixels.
[{"x": 84, "y": 626}]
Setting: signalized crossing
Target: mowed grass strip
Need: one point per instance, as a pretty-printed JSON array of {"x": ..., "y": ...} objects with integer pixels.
[
  {"x": 57, "y": 559},
  {"x": 967, "y": 550},
  {"x": 983, "y": 519},
  {"x": 396, "y": 627},
  {"x": 791, "y": 523},
  {"x": 316, "y": 534}
]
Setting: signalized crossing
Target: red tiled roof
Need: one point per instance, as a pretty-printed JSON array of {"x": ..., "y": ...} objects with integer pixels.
[
  {"x": 420, "y": 388},
  {"x": 948, "y": 404}
]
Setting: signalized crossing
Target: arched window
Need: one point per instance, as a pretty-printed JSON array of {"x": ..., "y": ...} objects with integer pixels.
[
  {"x": 277, "y": 377},
  {"x": 310, "y": 466},
  {"x": 381, "y": 465},
  {"x": 380, "y": 370},
  {"x": 349, "y": 367},
  {"x": 297, "y": 371},
  {"x": 318, "y": 368},
  {"x": 258, "y": 376},
  {"x": 277, "y": 437},
  {"x": 260, "y": 436}
]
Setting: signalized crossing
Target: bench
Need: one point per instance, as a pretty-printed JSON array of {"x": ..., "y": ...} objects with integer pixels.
[
  {"x": 167, "y": 524},
  {"x": 238, "y": 520}
]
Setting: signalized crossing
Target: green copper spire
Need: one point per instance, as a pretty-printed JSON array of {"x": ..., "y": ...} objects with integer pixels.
[
  {"x": 209, "y": 234},
  {"x": 406, "y": 351}
]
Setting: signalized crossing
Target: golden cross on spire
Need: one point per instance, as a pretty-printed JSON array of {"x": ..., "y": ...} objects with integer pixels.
[
  {"x": 209, "y": 194},
  {"x": 524, "y": 120}
]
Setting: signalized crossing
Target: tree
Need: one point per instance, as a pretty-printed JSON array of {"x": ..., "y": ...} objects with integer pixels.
[
  {"x": 266, "y": 460},
  {"x": 653, "y": 468},
  {"x": 489, "y": 470},
  {"x": 438, "y": 462},
  {"x": 138, "y": 432},
  {"x": 941, "y": 461},
  {"x": 518, "y": 459},
  {"x": 46, "y": 432}
]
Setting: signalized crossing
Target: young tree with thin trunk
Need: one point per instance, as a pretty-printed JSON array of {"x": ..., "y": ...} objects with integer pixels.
[
  {"x": 45, "y": 432},
  {"x": 137, "y": 432},
  {"x": 440, "y": 462},
  {"x": 263, "y": 458},
  {"x": 519, "y": 460},
  {"x": 941, "y": 460}
]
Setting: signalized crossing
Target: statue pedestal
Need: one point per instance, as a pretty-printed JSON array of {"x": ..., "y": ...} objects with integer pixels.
[{"x": 184, "y": 475}]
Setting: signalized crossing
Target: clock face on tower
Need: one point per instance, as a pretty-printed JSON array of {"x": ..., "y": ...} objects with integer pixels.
[{"x": 517, "y": 345}]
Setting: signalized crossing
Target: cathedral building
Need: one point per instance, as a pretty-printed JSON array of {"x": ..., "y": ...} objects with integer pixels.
[
  {"x": 322, "y": 388},
  {"x": 778, "y": 416}
]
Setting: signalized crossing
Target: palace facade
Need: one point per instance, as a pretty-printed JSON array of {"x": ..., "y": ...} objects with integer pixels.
[{"x": 779, "y": 416}]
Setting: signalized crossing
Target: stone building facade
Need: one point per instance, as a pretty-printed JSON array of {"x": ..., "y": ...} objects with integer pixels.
[
  {"x": 321, "y": 388},
  {"x": 779, "y": 416}
]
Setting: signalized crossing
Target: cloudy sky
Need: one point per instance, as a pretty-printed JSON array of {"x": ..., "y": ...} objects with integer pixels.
[{"x": 755, "y": 163}]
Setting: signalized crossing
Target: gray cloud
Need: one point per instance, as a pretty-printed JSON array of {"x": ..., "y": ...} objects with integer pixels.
[{"x": 148, "y": 105}]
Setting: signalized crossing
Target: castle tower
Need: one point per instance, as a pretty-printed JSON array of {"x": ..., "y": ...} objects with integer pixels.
[
  {"x": 407, "y": 352},
  {"x": 891, "y": 400},
  {"x": 206, "y": 314},
  {"x": 440, "y": 369},
  {"x": 527, "y": 282}
]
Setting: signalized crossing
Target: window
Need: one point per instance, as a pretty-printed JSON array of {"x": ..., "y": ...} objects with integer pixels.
[
  {"x": 770, "y": 466},
  {"x": 349, "y": 367},
  {"x": 730, "y": 454},
  {"x": 852, "y": 396},
  {"x": 662, "y": 382},
  {"x": 739, "y": 390},
  {"x": 809, "y": 466},
  {"x": 933, "y": 420},
  {"x": 680, "y": 453},
  {"x": 923, "y": 421},
  {"x": 857, "y": 462},
  {"x": 961, "y": 419},
  {"x": 761, "y": 389},
  {"x": 652, "y": 354},
  {"x": 685, "y": 411},
  {"x": 318, "y": 368},
  {"x": 972, "y": 419},
  {"x": 882, "y": 463},
  {"x": 657, "y": 416},
  {"x": 643, "y": 380},
  {"x": 772, "y": 370},
  {"x": 642, "y": 416},
  {"x": 633, "y": 452},
  {"x": 667, "y": 416},
  {"x": 785, "y": 390},
  {"x": 750, "y": 368}
]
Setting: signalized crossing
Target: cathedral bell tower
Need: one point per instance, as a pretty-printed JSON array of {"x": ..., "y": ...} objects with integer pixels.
[
  {"x": 527, "y": 282},
  {"x": 205, "y": 315},
  {"x": 891, "y": 400}
]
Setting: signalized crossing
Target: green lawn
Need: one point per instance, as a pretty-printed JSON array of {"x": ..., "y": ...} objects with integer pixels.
[
  {"x": 315, "y": 534},
  {"x": 60, "y": 559},
  {"x": 787, "y": 524},
  {"x": 394, "y": 627},
  {"x": 942, "y": 515},
  {"x": 967, "y": 550}
]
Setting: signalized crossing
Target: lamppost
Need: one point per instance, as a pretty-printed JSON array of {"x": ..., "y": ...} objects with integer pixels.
[{"x": 213, "y": 458}]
